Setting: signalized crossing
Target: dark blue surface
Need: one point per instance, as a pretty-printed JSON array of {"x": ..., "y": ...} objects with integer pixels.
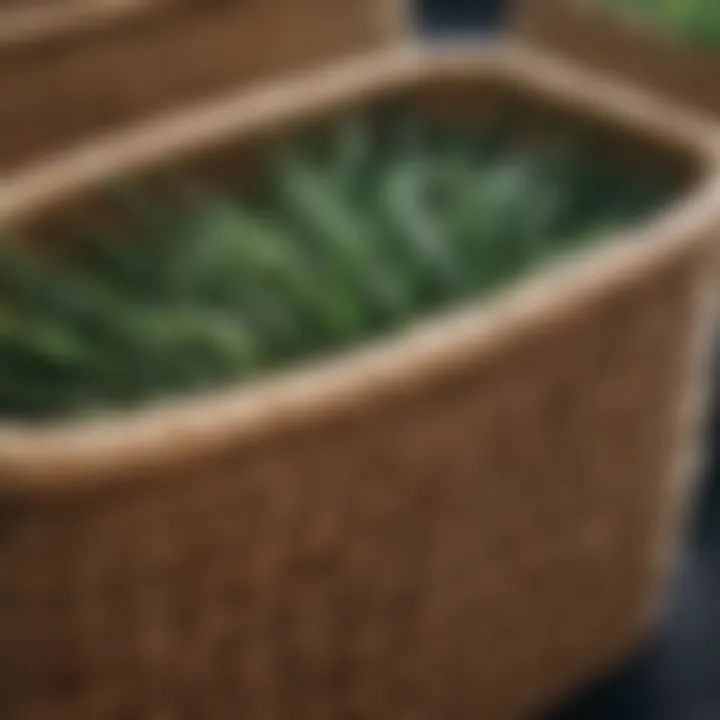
[
  {"x": 442, "y": 16},
  {"x": 677, "y": 677}
]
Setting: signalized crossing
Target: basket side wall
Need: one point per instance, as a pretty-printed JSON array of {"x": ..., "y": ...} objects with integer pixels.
[
  {"x": 65, "y": 87},
  {"x": 573, "y": 28},
  {"x": 472, "y": 550}
]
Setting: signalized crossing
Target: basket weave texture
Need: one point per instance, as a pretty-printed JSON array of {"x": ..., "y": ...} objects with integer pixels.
[
  {"x": 465, "y": 524},
  {"x": 592, "y": 35},
  {"x": 81, "y": 69}
]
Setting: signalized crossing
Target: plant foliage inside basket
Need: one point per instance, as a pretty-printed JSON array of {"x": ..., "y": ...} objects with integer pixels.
[
  {"x": 347, "y": 233},
  {"x": 694, "y": 21}
]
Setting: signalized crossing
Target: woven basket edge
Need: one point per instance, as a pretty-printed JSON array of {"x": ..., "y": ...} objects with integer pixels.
[
  {"x": 25, "y": 28},
  {"x": 29, "y": 459}
]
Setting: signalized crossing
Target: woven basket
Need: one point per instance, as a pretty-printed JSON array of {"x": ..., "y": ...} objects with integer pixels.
[
  {"x": 75, "y": 68},
  {"x": 466, "y": 520},
  {"x": 579, "y": 30}
]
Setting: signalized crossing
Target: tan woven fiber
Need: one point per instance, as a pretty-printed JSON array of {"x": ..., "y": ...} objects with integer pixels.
[
  {"x": 462, "y": 521},
  {"x": 75, "y": 69},
  {"x": 579, "y": 31}
]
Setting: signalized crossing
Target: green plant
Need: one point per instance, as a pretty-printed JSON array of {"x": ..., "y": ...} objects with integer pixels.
[
  {"x": 694, "y": 21},
  {"x": 349, "y": 234}
]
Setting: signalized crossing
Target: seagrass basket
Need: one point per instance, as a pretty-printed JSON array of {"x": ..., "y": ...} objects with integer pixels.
[
  {"x": 75, "y": 68},
  {"x": 581, "y": 31},
  {"x": 465, "y": 520}
]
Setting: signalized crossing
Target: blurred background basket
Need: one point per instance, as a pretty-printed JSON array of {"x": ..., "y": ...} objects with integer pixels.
[
  {"x": 77, "y": 68},
  {"x": 467, "y": 521},
  {"x": 583, "y": 31}
]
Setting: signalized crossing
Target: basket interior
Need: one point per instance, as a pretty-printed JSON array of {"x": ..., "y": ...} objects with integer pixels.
[{"x": 231, "y": 163}]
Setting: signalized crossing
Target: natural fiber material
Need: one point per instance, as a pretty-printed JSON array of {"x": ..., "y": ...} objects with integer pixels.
[
  {"x": 585, "y": 31},
  {"x": 461, "y": 522},
  {"x": 352, "y": 231},
  {"x": 73, "y": 70}
]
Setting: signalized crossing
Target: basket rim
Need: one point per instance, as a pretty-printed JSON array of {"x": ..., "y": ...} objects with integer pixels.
[
  {"x": 67, "y": 455},
  {"x": 638, "y": 31},
  {"x": 28, "y": 27},
  {"x": 37, "y": 26}
]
